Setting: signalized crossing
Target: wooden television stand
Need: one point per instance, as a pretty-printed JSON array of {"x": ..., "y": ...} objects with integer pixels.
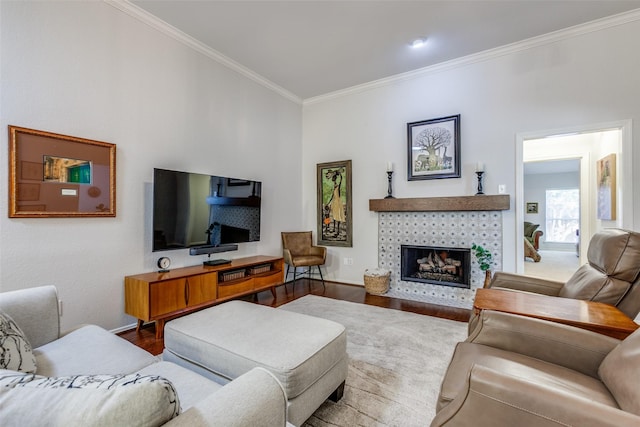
[{"x": 161, "y": 296}]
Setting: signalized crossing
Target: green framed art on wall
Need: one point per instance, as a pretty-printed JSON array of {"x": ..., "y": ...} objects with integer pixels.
[{"x": 334, "y": 204}]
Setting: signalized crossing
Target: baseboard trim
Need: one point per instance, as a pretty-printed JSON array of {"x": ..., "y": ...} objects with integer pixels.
[{"x": 124, "y": 328}]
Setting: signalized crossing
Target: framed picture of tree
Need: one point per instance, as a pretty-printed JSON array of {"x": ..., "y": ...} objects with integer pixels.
[{"x": 434, "y": 148}]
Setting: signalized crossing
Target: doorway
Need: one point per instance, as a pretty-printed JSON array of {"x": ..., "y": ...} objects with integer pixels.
[
  {"x": 571, "y": 148},
  {"x": 552, "y": 194}
]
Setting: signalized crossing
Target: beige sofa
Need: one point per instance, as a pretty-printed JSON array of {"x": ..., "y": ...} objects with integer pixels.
[
  {"x": 254, "y": 399},
  {"x": 514, "y": 370}
]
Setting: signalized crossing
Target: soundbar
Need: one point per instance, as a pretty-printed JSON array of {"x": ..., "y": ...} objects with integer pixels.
[
  {"x": 214, "y": 262},
  {"x": 203, "y": 250}
]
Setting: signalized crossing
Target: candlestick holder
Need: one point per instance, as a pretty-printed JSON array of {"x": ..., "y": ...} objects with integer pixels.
[
  {"x": 480, "y": 174},
  {"x": 389, "y": 189}
]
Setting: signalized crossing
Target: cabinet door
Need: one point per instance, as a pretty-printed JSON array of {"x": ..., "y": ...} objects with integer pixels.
[
  {"x": 201, "y": 289},
  {"x": 167, "y": 296},
  {"x": 273, "y": 279},
  {"x": 236, "y": 288}
]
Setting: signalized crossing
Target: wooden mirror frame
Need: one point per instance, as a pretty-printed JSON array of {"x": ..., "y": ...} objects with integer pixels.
[{"x": 31, "y": 195}]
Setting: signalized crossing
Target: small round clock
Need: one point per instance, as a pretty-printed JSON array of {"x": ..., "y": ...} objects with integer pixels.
[{"x": 164, "y": 263}]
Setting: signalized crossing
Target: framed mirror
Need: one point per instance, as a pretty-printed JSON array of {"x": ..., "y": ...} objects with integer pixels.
[{"x": 52, "y": 175}]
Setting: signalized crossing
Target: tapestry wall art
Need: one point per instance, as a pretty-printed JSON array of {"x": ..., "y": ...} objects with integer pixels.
[{"x": 334, "y": 204}]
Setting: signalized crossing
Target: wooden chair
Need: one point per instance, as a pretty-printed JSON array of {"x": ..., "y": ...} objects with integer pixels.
[{"x": 299, "y": 251}]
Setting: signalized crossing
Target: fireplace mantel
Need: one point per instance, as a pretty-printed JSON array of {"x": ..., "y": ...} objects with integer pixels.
[
  {"x": 498, "y": 202},
  {"x": 443, "y": 222}
]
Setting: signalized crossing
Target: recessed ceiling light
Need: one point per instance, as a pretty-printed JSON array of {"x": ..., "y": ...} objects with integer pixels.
[{"x": 418, "y": 43}]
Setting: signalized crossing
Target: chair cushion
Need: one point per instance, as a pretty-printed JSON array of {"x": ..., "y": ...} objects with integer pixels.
[
  {"x": 86, "y": 400},
  {"x": 89, "y": 350},
  {"x": 15, "y": 351},
  {"x": 530, "y": 228},
  {"x": 589, "y": 284},
  {"x": 616, "y": 253},
  {"x": 297, "y": 242},
  {"x": 190, "y": 386},
  {"x": 528, "y": 368},
  {"x": 36, "y": 311},
  {"x": 306, "y": 260},
  {"x": 620, "y": 372}
]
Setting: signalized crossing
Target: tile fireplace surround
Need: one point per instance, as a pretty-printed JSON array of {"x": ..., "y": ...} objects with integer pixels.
[{"x": 456, "y": 222}]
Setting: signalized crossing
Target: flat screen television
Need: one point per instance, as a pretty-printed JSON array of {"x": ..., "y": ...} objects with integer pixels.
[{"x": 192, "y": 210}]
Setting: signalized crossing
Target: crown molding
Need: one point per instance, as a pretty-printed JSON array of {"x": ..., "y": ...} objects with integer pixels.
[
  {"x": 159, "y": 25},
  {"x": 553, "y": 37}
]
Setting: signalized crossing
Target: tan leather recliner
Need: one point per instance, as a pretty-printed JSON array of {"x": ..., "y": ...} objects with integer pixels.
[
  {"x": 299, "y": 251},
  {"x": 611, "y": 276},
  {"x": 520, "y": 371}
]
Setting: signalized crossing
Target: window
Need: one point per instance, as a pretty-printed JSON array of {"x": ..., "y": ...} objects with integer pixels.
[{"x": 562, "y": 215}]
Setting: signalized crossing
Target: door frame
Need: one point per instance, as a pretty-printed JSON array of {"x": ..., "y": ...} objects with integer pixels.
[{"x": 624, "y": 172}]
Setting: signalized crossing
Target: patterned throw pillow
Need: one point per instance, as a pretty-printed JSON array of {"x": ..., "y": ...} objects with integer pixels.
[
  {"x": 87, "y": 400},
  {"x": 15, "y": 351}
]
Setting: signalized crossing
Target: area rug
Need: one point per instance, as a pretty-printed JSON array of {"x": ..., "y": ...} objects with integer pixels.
[{"x": 396, "y": 363}]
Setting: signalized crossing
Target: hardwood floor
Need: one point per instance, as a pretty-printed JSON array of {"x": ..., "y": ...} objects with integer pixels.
[{"x": 146, "y": 338}]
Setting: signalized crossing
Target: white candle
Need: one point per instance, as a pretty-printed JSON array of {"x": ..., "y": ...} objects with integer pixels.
[
  {"x": 389, "y": 167},
  {"x": 480, "y": 167}
]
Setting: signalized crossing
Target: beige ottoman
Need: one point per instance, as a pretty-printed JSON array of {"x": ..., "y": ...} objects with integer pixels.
[{"x": 307, "y": 354}]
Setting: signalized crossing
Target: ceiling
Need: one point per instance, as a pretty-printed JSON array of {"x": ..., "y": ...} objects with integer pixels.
[
  {"x": 551, "y": 166},
  {"x": 310, "y": 48}
]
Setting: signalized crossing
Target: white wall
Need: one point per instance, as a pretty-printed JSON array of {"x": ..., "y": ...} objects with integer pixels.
[
  {"x": 584, "y": 79},
  {"x": 89, "y": 70}
]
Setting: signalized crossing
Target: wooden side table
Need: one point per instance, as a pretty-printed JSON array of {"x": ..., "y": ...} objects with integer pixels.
[{"x": 593, "y": 316}]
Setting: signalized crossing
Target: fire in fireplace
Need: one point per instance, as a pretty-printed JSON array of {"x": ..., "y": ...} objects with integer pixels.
[{"x": 437, "y": 265}]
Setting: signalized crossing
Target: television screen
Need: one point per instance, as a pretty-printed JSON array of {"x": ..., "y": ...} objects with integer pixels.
[{"x": 195, "y": 210}]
